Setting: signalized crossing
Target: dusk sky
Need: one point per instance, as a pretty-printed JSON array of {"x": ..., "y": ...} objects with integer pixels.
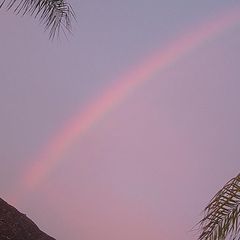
[{"x": 125, "y": 130}]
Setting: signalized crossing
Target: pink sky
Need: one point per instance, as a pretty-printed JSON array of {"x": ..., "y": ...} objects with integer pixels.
[{"x": 145, "y": 169}]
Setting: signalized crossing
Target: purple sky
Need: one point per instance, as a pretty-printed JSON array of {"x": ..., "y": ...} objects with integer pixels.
[{"x": 150, "y": 165}]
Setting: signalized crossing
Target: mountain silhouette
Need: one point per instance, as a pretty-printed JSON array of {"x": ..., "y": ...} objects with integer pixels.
[{"x": 15, "y": 225}]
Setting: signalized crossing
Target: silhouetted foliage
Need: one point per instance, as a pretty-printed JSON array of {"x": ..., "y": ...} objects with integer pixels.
[
  {"x": 56, "y": 15},
  {"x": 222, "y": 214}
]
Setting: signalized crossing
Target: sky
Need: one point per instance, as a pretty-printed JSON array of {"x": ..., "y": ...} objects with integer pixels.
[{"x": 126, "y": 129}]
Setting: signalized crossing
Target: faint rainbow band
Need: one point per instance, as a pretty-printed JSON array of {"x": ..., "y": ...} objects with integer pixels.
[{"x": 83, "y": 121}]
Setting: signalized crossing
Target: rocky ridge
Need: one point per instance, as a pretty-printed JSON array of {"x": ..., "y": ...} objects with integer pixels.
[{"x": 15, "y": 225}]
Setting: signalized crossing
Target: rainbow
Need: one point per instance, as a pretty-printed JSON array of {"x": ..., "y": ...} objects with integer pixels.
[{"x": 52, "y": 154}]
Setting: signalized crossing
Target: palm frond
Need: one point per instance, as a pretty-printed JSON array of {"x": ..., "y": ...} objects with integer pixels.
[
  {"x": 222, "y": 215},
  {"x": 54, "y": 14}
]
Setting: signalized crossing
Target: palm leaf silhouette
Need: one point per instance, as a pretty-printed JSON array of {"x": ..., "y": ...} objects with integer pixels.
[
  {"x": 54, "y": 14},
  {"x": 221, "y": 219}
]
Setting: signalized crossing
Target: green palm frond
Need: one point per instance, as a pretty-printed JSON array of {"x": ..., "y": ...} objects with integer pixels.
[
  {"x": 54, "y": 14},
  {"x": 222, "y": 215}
]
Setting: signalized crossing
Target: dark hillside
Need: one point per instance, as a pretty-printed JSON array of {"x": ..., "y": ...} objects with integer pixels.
[{"x": 17, "y": 226}]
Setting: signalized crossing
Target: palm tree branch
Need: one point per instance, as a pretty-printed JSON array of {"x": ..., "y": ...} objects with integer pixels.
[
  {"x": 222, "y": 214},
  {"x": 54, "y": 14}
]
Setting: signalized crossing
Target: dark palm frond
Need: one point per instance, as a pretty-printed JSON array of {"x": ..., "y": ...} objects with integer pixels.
[
  {"x": 54, "y": 14},
  {"x": 222, "y": 215}
]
